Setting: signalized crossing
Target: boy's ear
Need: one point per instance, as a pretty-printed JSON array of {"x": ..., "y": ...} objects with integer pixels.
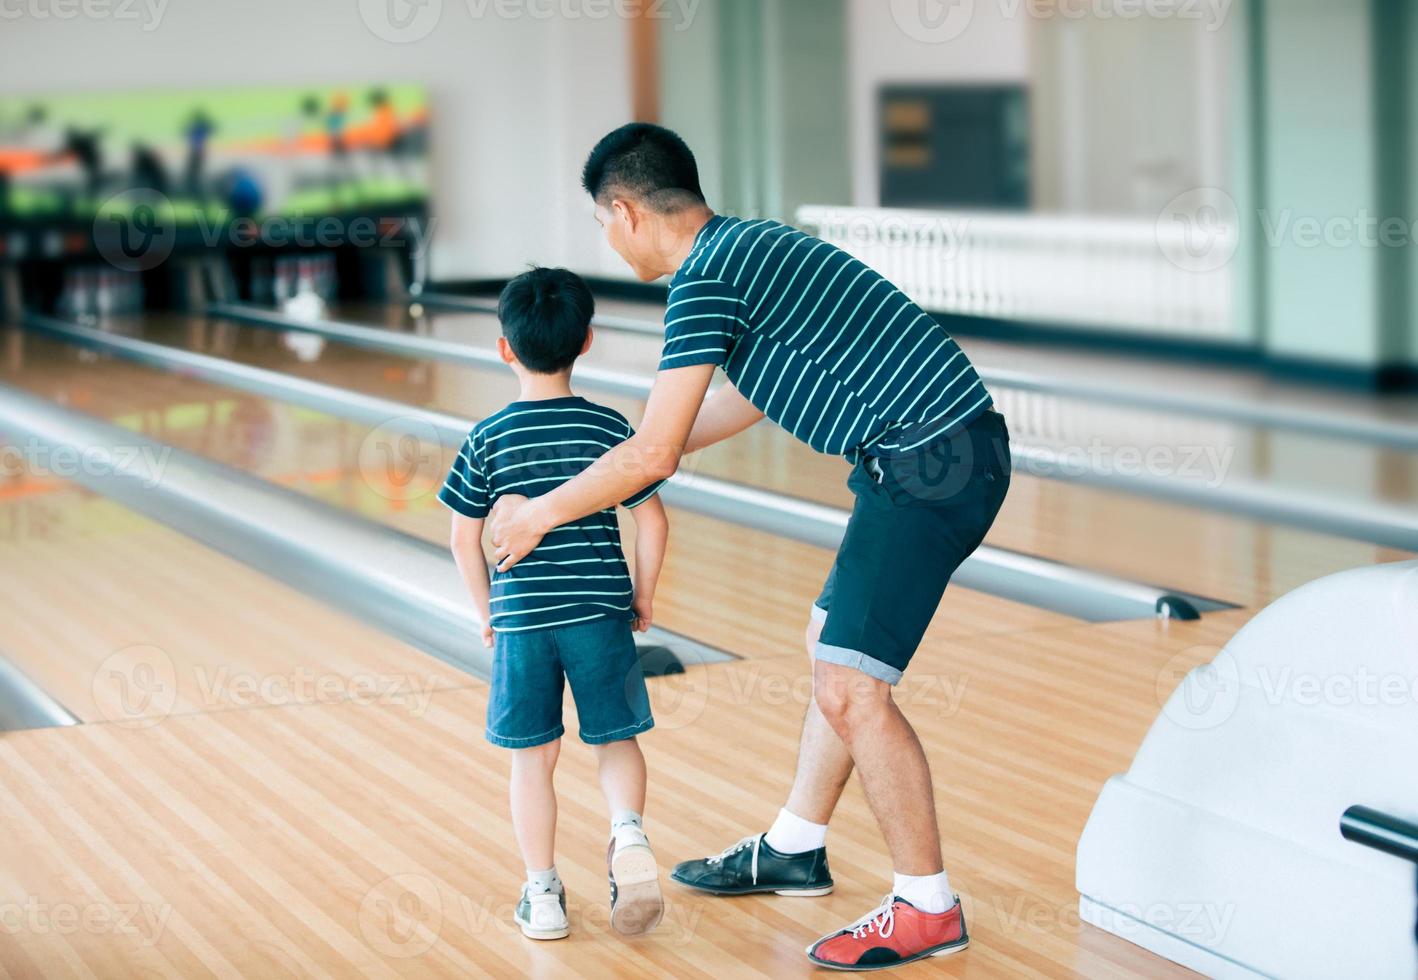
[
  {"x": 590, "y": 336},
  {"x": 504, "y": 351}
]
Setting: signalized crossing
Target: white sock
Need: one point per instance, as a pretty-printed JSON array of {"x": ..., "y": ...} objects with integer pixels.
[
  {"x": 929, "y": 893},
  {"x": 622, "y": 818},
  {"x": 541, "y": 882},
  {"x": 791, "y": 834}
]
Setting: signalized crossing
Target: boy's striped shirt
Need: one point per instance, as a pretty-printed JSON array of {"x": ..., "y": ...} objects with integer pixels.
[
  {"x": 818, "y": 341},
  {"x": 578, "y": 572}
]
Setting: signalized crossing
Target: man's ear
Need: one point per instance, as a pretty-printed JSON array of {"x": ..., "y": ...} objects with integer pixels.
[
  {"x": 627, "y": 213},
  {"x": 504, "y": 351},
  {"x": 590, "y": 336}
]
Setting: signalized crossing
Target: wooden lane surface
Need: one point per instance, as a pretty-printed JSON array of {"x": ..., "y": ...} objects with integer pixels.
[
  {"x": 325, "y": 840},
  {"x": 125, "y": 621}
]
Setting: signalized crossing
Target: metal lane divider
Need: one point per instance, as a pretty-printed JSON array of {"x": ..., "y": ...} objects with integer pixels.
[
  {"x": 24, "y": 705},
  {"x": 1382, "y": 524},
  {"x": 1023, "y": 578},
  {"x": 1392, "y": 434},
  {"x": 401, "y": 584},
  {"x": 421, "y": 347},
  {"x": 467, "y": 304}
]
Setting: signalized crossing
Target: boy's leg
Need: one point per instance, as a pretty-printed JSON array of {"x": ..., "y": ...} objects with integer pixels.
[
  {"x": 533, "y": 800},
  {"x": 604, "y": 671},
  {"x": 622, "y": 771}
]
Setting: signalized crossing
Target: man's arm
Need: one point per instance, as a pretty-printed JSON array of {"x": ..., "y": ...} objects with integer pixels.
[
  {"x": 652, "y": 531},
  {"x": 466, "y": 543},
  {"x": 653, "y": 453},
  {"x": 726, "y": 413}
]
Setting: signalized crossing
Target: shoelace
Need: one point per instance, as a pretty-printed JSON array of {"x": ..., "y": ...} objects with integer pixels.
[
  {"x": 881, "y": 919},
  {"x": 732, "y": 849}
]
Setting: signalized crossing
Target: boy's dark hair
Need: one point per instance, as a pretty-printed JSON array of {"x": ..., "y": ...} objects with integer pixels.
[
  {"x": 644, "y": 161},
  {"x": 545, "y": 315}
]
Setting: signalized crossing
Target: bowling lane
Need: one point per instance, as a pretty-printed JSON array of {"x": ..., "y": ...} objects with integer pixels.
[
  {"x": 1239, "y": 560},
  {"x": 738, "y": 589},
  {"x": 122, "y": 620}
]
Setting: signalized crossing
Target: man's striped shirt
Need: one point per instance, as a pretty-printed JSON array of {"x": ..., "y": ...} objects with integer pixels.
[
  {"x": 578, "y": 572},
  {"x": 817, "y": 341}
]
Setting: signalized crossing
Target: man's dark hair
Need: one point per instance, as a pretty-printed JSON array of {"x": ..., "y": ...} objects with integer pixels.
[
  {"x": 545, "y": 315},
  {"x": 647, "y": 162}
]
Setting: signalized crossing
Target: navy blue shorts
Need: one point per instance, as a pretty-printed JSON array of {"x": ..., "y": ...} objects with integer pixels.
[
  {"x": 529, "y": 670},
  {"x": 917, "y": 517}
]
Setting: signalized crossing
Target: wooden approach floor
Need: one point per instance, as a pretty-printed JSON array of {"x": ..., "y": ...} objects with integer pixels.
[
  {"x": 364, "y": 832},
  {"x": 363, "y": 837}
]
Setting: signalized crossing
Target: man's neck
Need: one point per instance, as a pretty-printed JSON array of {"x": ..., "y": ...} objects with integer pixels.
[
  {"x": 541, "y": 387},
  {"x": 685, "y": 229}
]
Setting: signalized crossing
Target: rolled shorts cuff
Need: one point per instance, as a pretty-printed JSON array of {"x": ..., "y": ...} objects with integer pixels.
[
  {"x": 857, "y": 661},
  {"x": 620, "y": 734},
  {"x": 524, "y": 743},
  {"x": 818, "y": 614}
]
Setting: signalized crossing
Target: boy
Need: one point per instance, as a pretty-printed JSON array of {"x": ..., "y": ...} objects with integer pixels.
[{"x": 569, "y": 610}]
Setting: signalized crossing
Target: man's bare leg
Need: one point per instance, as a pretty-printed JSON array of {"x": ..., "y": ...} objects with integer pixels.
[
  {"x": 824, "y": 764},
  {"x": 890, "y": 761}
]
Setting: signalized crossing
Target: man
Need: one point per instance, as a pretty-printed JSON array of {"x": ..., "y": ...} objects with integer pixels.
[{"x": 827, "y": 348}]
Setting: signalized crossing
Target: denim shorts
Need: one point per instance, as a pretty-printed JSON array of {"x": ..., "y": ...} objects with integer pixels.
[
  {"x": 917, "y": 517},
  {"x": 528, "y": 674}
]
